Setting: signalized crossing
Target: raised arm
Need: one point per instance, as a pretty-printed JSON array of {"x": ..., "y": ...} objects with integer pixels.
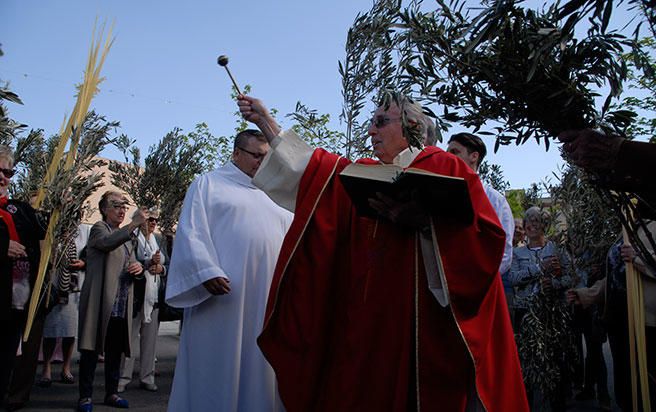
[
  {"x": 103, "y": 239},
  {"x": 281, "y": 171},
  {"x": 254, "y": 111}
]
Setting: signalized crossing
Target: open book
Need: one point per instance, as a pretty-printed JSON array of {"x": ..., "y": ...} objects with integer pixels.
[{"x": 445, "y": 197}]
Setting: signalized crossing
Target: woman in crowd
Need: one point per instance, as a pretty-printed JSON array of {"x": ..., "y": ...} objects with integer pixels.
[
  {"x": 539, "y": 271},
  {"x": 151, "y": 253},
  {"x": 537, "y": 264},
  {"x": 62, "y": 321},
  {"x": 20, "y": 232},
  {"x": 107, "y": 298}
]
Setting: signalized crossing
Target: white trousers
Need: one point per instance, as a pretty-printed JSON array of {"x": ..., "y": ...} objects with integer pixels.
[{"x": 144, "y": 336}]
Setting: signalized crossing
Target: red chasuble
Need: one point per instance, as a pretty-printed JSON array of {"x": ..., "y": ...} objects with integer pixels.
[{"x": 351, "y": 324}]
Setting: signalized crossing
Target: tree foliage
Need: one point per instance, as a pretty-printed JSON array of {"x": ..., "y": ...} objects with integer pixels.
[
  {"x": 509, "y": 71},
  {"x": 644, "y": 100},
  {"x": 591, "y": 226},
  {"x": 546, "y": 345},
  {"x": 168, "y": 170},
  {"x": 71, "y": 187},
  {"x": 504, "y": 70},
  {"x": 314, "y": 128},
  {"x": 492, "y": 175}
]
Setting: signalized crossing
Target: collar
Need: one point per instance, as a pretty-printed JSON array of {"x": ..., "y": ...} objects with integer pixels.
[
  {"x": 236, "y": 175},
  {"x": 406, "y": 157}
]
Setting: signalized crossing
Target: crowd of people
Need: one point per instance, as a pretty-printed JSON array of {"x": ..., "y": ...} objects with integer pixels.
[
  {"x": 103, "y": 297},
  {"x": 293, "y": 301}
]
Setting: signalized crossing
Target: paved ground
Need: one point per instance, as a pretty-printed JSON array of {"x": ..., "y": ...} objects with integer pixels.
[{"x": 60, "y": 397}]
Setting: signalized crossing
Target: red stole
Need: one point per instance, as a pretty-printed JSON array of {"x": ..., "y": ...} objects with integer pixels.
[
  {"x": 351, "y": 324},
  {"x": 9, "y": 220}
]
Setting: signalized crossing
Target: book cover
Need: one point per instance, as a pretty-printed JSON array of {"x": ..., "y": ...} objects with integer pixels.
[{"x": 444, "y": 197}]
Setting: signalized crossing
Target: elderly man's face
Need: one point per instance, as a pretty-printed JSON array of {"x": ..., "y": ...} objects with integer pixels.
[
  {"x": 387, "y": 134},
  {"x": 249, "y": 157}
]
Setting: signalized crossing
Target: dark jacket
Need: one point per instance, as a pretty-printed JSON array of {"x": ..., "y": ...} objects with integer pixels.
[{"x": 30, "y": 229}]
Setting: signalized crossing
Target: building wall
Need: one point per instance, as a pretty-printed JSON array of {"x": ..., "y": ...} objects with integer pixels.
[{"x": 94, "y": 216}]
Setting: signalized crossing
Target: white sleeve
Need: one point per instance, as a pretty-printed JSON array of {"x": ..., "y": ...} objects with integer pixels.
[
  {"x": 504, "y": 213},
  {"x": 281, "y": 170},
  {"x": 194, "y": 258},
  {"x": 508, "y": 223}
]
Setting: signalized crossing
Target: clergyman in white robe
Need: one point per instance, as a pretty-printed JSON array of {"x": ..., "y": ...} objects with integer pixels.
[{"x": 227, "y": 228}]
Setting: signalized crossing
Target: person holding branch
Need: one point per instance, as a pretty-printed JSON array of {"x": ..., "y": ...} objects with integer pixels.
[
  {"x": 106, "y": 300},
  {"x": 409, "y": 302}
]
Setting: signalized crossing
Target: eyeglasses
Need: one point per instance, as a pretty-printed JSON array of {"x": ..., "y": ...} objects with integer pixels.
[
  {"x": 119, "y": 205},
  {"x": 382, "y": 121},
  {"x": 8, "y": 173},
  {"x": 153, "y": 219},
  {"x": 256, "y": 156}
]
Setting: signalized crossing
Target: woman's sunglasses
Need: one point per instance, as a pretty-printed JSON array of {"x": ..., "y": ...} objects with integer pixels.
[{"x": 8, "y": 173}]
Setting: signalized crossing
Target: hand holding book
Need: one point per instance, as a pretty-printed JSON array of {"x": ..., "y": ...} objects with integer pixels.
[
  {"x": 407, "y": 196},
  {"x": 404, "y": 210}
]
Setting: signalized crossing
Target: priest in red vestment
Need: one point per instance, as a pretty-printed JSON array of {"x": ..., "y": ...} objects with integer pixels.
[{"x": 405, "y": 312}]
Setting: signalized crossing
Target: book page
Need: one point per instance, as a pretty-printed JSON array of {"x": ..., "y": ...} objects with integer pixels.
[{"x": 383, "y": 173}]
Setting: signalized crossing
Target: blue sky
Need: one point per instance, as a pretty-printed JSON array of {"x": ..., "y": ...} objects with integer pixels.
[{"x": 161, "y": 72}]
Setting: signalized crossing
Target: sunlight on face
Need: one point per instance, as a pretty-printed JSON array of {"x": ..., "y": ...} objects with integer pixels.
[{"x": 386, "y": 134}]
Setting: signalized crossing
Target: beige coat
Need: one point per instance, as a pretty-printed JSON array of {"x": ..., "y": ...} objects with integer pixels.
[{"x": 105, "y": 262}]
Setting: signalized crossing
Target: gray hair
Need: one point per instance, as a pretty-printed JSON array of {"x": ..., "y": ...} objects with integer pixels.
[
  {"x": 418, "y": 128},
  {"x": 7, "y": 154},
  {"x": 537, "y": 215}
]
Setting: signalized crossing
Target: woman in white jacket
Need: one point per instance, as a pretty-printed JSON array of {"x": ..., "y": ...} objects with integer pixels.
[{"x": 145, "y": 323}]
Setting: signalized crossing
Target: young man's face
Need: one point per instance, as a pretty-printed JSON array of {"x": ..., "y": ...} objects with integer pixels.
[
  {"x": 462, "y": 152},
  {"x": 249, "y": 157},
  {"x": 387, "y": 134}
]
